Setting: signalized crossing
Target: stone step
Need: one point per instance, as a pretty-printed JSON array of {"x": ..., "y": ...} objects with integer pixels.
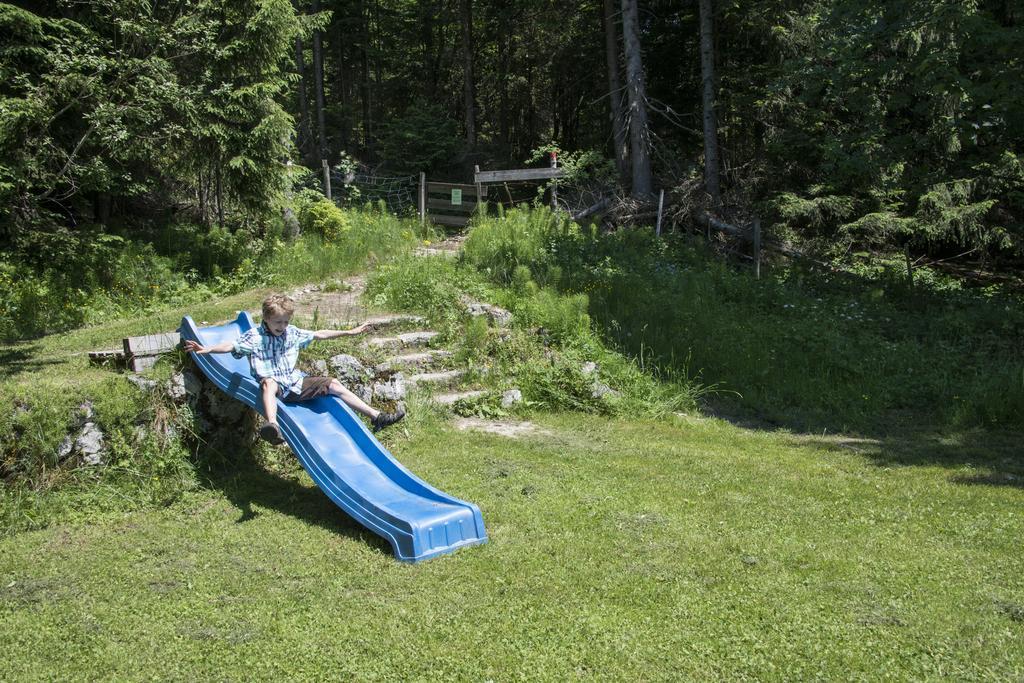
[
  {"x": 379, "y": 321},
  {"x": 419, "y": 359},
  {"x": 449, "y": 399},
  {"x": 443, "y": 377},
  {"x": 428, "y": 251},
  {"x": 420, "y": 338}
]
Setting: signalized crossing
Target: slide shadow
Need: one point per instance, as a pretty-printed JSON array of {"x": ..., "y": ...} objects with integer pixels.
[{"x": 250, "y": 487}]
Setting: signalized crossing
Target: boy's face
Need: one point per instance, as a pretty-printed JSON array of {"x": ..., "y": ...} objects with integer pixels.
[{"x": 277, "y": 324}]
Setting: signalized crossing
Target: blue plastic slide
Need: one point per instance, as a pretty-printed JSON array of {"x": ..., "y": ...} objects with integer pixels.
[{"x": 347, "y": 462}]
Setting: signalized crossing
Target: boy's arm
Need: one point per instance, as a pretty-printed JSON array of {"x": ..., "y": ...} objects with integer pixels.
[
  {"x": 331, "y": 334},
  {"x": 196, "y": 347}
]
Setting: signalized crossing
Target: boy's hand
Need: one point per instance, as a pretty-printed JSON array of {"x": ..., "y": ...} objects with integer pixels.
[
  {"x": 359, "y": 330},
  {"x": 194, "y": 346}
]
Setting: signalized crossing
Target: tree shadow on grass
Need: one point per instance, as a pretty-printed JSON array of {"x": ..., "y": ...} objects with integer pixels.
[
  {"x": 906, "y": 441},
  {"x": 248, "y": 486},
  {"x": 21, "y": 359}
]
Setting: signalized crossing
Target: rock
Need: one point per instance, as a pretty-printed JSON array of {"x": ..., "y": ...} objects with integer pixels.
[
  {"x": 589, "y": 368},
  {"x": 363, "y": 391},
  {"x": 90, "y": 444},
  {"x": 498, "y": 315},
  {"x": 222, "y": 408},
  {"x": 391, "y": 390},
  {"x": 348, "y": 368},
  {"x": 318, "y": 368},
  {"x": 175, "y": 387},
  {"x": 193, "y": 385},
  {"x": 65, "y": 448},
  {"x": 511, "y": 397},
  {"x": 602, "y": 390}
]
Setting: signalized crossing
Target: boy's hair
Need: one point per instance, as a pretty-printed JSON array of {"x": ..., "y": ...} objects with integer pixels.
[{"x": 278, "y": 304}]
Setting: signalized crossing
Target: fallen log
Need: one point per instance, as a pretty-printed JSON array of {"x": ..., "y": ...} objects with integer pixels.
[{"x": 590, "y": 211}]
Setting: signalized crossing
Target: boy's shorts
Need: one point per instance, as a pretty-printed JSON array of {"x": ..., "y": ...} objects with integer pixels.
[{"x": 312, "y": 387}]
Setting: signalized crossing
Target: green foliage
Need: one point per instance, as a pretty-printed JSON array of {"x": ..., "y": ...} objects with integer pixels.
[
  {"x": 95, "y": 277},
  {"x": 891, "y": 118},
  {"x": 420, "y": 140},
  {"x": 129, "y": 100},
  {"x": 321, "y": 217}
]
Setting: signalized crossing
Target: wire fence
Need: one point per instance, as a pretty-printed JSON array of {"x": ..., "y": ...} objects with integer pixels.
[
  {"x": 400, "y": 194},
  {"x": 397, "y": 192}
]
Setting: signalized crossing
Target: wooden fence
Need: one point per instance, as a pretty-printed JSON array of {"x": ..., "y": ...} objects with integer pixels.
[
  {"x": 453, "y": 204},
  {"x": 450, "y": 204}
]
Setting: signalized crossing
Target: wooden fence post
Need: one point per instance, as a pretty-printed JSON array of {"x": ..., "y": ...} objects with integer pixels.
[
  {"x": 423, "y": 199},
  {"x": 479, "y": 190},
  {"x": 327, "y": 178},
  {"x": 554, "y": 183}
]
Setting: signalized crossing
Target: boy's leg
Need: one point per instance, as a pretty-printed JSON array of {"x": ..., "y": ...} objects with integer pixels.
[
  {"x": 269, "y": 399},
  {"x": 380, "y": 420},
  {"x": 270, "y": 431},
  {"x": 354, "y": 402}
]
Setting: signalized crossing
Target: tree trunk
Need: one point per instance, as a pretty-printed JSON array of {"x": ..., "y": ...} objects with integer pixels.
[
  {"x": 364, "y": 79},
  {"x": 707, "y": 68},
  {"x": 342, "y": 85},
  {"x": 639, "y": 136},
  {"x": 505, "y": 61},
  {"x": 304, "y": 127},
  {"x": 467, "y": 61},
  {"x": 318, "y": 83},
  {"x": 220, "y": 201},
  {"x": 618, "y": 121},
  {"x": 378, "y": 71}
]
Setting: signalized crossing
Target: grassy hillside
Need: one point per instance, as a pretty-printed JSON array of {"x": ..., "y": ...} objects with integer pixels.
[
  {"x": 632, "y": 536},
  {"x": 618, "y": 549}
]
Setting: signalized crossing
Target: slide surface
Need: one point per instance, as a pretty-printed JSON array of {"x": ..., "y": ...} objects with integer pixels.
[{"x": 347, "y": 462}]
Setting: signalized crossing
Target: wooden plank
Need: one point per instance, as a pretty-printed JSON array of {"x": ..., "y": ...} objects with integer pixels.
[
  {"x": 448, "y": 187},
  {"x": 464, "y": 207},
  {"x": 518, "y": 174},
  {"x": 151, "y": 344},
  {"x": 113, "y": 357},
  {"x": 447, "y": 196},
  {"x": 457, "y": 221}
]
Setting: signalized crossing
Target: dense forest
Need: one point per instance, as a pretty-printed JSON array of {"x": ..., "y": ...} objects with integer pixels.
[{"x": 846, "y": 125}]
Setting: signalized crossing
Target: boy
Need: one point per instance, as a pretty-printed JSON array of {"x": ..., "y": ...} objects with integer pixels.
[{"x": 273, "y": 350}]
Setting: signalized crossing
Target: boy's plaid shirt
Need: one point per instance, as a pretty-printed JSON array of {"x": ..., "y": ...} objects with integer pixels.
[{"x": 274, "y": 357}]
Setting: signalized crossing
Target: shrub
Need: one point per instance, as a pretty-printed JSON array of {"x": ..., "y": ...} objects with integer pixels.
[{"x": 323, "y": 219}]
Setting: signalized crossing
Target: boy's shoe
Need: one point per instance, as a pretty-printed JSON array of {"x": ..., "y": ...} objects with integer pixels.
[
  {"x": 271, "y": 434},
  {"x": 387, "y": 419}
]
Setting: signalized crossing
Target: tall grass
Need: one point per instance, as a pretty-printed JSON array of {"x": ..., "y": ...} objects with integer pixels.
[
  {"x": 548, "y": 349},
  {"x": 802, "y": 348}
]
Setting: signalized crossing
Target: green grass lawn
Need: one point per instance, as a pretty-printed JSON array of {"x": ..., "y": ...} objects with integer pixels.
[{"x": 632, "y": 550}]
